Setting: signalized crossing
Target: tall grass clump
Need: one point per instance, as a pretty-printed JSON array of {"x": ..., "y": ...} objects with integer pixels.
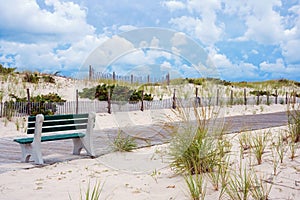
[
  {"x": 294, "y": 123},
  {"x": 294, "y": 129},
  {"x": 124, "y": 143},
  {"x": 196, "y": 186},
  {"x": 259, "y": 145},
  {"x": 280, "y": 147},
  {"x": 92, "y": 193},
  {"x": 239, "y": 185},
  {"x": 260, "y": 188},
  {"x": 195, "y": 147}
]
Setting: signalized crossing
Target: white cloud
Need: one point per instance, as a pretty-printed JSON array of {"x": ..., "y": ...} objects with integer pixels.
[
  {"x": 154, "y": 42},
  {"x": 233, "y": 71},
  {"x": 202, "y": 23},
  {"x": 254, "y": 51},
  {"x": 126, "y": 28},
  {"x": 178, "y": 39},
  {"x": 277, "y": 67},
  {"x": 203, "y": 29},
  {"x": 165, "y": 66},
  {"x": 204, "y": 7},
  {"x": 174, "y": 5},
  {"x": 264, "y": 23},
  {"x": 67, "y": 20},
  {"x": 46, "y": 56},
  {"x": 290, "y": 51}
]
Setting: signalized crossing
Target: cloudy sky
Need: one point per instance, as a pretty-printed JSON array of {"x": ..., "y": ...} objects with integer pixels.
[{"x": 245, "y": 40}]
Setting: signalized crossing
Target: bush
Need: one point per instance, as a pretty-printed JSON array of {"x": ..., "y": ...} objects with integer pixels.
[
  {"x": 196, "y": 81},
  {"x": 137, "y": 96},
  {"x": 261, "y": 93},
  {"x": 4, "y": 70},
  {"x": 117, "y": 93},
  {"x": 31, "y": 78},
  {"x": 48, "y": 79},
  {"x": 40, "y": 104}
]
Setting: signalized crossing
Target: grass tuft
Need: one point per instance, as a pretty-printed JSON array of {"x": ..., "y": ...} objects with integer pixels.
[{"x": 124, "y": 143}]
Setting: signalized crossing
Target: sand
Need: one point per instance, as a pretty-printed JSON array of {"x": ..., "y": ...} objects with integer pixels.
[{"x": 141, "y": 174}]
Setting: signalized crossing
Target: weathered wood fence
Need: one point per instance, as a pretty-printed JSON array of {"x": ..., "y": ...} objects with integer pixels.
[{"x": 19, "y": 109}]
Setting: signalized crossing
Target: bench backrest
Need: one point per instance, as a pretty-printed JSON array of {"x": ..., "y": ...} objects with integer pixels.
[{"x": 56, "y": 123}]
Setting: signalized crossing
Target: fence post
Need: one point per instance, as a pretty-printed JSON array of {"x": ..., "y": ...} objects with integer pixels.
[
  {"x": 276, "y": 96},
  {"x": 1, "y": 109},
  {"x": 294, "y": 97},
  {"x": 268, "y": 98},
  {"x": 217, "y": 103},
  {"x": 198, "y": 100},
  {"x": 286, "y": 97},
  {"x": 245, "y": 96},
  {"x": 90, "y": 73},
  {"x": 231, "y": 97},
  {"x": 131, "y": 78},
  {"x": 114, "y": 76},
  {"x": 142, "y": 102},
  {"x": 148, "y": 78},
  {"x": 76, "y": 101},
  {"x": 174, "y": 100},
  {"x": 108, "y": 101},
  {"x": 168, "y": 79},
  {"x": 257, "y": 101},
  {"x": 28, "y": 102}
]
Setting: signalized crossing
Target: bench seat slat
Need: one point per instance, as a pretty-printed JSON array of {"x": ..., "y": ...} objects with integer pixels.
[
  {"x": 59, "y": 117},
  {"x": 60, "y": 122},
  {"x": 59, "y": 128},
  {"x": 46, "y": 138}
]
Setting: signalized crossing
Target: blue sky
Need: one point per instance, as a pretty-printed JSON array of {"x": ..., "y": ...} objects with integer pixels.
[{"x": 245, "y": 40}]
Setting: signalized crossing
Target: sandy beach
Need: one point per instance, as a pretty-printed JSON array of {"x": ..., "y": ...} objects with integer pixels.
[{"x": 141, "y": 174}]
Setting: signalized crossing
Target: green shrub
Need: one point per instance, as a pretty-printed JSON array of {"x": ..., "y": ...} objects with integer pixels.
[
  {"x": 4, "y": 70},
  {"x": 137, "y": 96},
  {"x": 117, "y": 93},
  {"x": 48, "y": 79},
  {"x": 40, "y": 104},
  {"x": 196, "y": 81},
  {"x": 31, "y": 77}
]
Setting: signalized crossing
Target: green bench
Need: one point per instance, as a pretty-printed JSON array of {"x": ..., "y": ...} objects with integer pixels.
[{"x": 58, "y": 127}]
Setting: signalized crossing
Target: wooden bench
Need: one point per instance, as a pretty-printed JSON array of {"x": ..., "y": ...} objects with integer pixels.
[{"x": 59, "y": 127}]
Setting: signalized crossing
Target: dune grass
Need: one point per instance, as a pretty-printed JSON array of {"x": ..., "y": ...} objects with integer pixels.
[{"x": 123, "y": 142}]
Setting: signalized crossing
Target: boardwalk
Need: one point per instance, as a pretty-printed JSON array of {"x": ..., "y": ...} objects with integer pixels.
[{"x": 59, "y": 151}]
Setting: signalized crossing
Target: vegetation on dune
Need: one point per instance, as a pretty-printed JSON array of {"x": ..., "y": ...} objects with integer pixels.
[
  {"x": 273, "y": 84},
  {"x": 31, "y": 77},
  {"x": 48, "y": 79},
  {"x": 123, "y": 142},
  {"x": 35, "y": 77},
  {"x": 5, "y": 70},
  {"x": 117, "y": 93},
  {"x": 200, "y": 148},
  {"x": 40, "y": 104}
]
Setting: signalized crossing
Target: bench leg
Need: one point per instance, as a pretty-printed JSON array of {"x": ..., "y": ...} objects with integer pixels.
[
  {"x": 37, "y": 153},
  {"x": 26, "y": 152},
  {"x": 79, "y": 144},
  {"x": 29, "y": 150}
]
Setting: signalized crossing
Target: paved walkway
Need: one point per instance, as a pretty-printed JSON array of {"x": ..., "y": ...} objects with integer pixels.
[{"x": 58, "y": 151}]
